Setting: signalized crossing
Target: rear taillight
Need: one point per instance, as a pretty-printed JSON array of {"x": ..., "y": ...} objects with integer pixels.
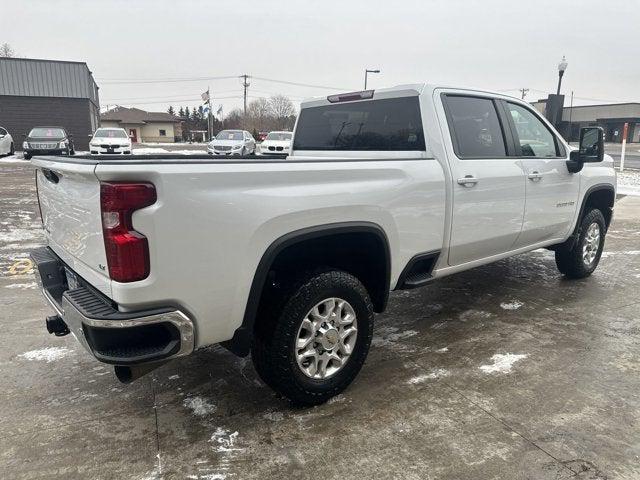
[{"x": 127, "y": 250}]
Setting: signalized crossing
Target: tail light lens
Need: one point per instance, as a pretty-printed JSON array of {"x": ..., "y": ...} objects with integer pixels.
[{"x": 127, "y": 250}]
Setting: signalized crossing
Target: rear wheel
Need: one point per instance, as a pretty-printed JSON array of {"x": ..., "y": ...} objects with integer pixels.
[
  {"x": 27, "y": 156},
  {"x": 583, "y": 258},
  {"x": 317, "y": 339}
]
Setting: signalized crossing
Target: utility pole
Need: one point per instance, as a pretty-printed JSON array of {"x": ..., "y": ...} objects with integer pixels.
[
  {"x": 245, "y": 84},
  {"x": 210, "y": 122},
  {"x": 524, "y": 92}
]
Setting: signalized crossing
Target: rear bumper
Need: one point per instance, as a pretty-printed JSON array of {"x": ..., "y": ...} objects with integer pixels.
[{"x": 111, "y": 336}]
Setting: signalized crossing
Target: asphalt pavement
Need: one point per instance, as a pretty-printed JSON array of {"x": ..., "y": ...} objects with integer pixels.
[{"x": 508, "y": 371}]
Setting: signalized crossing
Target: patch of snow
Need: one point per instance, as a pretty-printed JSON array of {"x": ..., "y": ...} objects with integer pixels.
[
  {"x": 49, "y": 354},
  {"x": 628, "y": 183},
  {"x": 442, "y": 350},
  {"x": 337, "y": 399},
  {"x": 174, "y": 377},
  {"x": 433, "y": 375},
  {"x": 387, "y": 336},
  {"x": 22, "y": 234},
  {"x": 22, "y": 286},
  {"x": 273, "y": 416},
  {"x": 13, "y": 159},
  {"x": 224, "y": 441},
  {"x": 473, "y": 315},
  {"x": 154, "y": 151},
  {"x": 513, "y": 305},
  {"x": 200, "y": 407},
  {"x": 502, "y": 363}
]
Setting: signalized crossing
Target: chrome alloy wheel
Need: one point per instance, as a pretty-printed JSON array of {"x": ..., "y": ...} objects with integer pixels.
[
  {"x": 326, "y": 338},
  {"x": 591, "y": 244}
]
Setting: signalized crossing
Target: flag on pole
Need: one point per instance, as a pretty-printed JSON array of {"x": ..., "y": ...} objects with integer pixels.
[
  {"x": 205, "y": 96},
  {"x": 219, "y": 110}
]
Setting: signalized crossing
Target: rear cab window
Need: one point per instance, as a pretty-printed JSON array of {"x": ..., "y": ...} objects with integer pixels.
[
  {"x": 390, "y": 124},
  {"x": 476, "y": 130}
]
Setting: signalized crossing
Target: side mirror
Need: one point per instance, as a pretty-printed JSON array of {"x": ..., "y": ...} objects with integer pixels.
[{"x": 590, "y": 149}]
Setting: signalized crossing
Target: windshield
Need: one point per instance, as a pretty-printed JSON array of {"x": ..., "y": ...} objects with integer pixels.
[
  {"x": 47, "y": 132},
  {"x": 279, "y": 136},
  {"x": 109, "y": 133},
  {"x": 388, "y": 124},
  {"x": 229, "y": 135}
]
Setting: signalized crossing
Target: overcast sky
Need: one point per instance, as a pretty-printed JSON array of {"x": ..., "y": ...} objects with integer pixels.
[{"x": 492, "y": 44}]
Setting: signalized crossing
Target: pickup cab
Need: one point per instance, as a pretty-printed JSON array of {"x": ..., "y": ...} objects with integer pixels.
[{"x": 150, "y": 258}]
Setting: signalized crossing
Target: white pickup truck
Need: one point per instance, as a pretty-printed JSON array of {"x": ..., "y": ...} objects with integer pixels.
[{"x": 150, "y": 258}]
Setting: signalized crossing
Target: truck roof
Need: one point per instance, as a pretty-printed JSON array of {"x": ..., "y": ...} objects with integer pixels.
[{"x": 406, "y": 90}]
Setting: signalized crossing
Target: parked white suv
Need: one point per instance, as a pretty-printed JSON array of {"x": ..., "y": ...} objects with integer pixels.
[
  {"x": 148, "y": 260},
  {"x": 232, "y": 142},
  {"x": 110, "y": 141},
  {"x": 6, "y": 142}
]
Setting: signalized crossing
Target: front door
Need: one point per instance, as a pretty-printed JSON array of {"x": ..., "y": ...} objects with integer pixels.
[
  {"x": 552, "y": 192},
  {"x": 488, "y": 185},
  {"x": 133, "y": 134}
]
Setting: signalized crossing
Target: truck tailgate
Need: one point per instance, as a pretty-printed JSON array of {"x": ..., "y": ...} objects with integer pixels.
[{"x": 69, "y": 196}]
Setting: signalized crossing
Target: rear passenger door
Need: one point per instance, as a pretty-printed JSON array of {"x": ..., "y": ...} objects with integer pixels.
[
  {"x": 551, "y": 191},
  {"x": 488, "y": 182}
]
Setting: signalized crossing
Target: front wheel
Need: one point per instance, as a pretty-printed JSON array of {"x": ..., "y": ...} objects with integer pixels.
[
  {"x": 313, "y": 348},
  {"x": 27, "y": 156},
  {"x": 583, "y": 258}
]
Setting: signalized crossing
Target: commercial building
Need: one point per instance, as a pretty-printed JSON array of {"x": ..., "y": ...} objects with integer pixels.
[
  {"x": 49, "y": 93},
  {"x": 611, "y": 117},
  {"x": 144, "y": 127}
]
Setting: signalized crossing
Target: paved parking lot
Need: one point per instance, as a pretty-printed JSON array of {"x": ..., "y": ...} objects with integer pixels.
[{"x": 504, "y": 372}]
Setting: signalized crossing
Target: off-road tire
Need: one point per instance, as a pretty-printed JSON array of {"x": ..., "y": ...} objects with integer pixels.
[
  {"x": 570, "y": 262},
  {"x": 273, "y": 349}
]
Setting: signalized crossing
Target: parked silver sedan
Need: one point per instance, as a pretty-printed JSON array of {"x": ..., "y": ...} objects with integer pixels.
[{"x": 232, "y": 142}]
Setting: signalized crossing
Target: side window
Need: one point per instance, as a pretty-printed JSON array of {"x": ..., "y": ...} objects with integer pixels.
[
  {"x": 475, "y": 128},
  {"x": 536, "y": 140}
]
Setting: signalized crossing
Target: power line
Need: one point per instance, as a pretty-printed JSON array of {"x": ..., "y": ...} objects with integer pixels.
[
  {"x": 164, "y": 80},
  {"x": 273, "y": 80}
]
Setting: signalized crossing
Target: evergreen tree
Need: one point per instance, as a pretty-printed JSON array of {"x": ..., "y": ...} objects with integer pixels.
[
  {"x": 171, "y": 111},
  {"x": 187, "y": 113},
  {"x": 181, "y": 112}
]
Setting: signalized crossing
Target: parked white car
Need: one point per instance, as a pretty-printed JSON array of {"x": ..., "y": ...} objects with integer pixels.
[
  {"x": 6, "y": 142},
  {"x": 110, "y": 141},
  {"x": 289, "y": 258},
  {"x": 232, "y": 142},
  {"x": 276, "y": 144}
]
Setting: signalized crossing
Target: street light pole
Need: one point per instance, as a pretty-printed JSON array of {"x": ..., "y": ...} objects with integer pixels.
[
  {"x": 562, "y": 66},
  {"x": 366, "y": 72}
]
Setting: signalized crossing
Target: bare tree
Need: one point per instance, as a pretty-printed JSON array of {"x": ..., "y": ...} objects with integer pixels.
[
  {"x": 283, "y": 110},
  {"x": 258, "y": 114},
  {"x": 233, "y": 119},
  {"x": 6, "y": 51}
]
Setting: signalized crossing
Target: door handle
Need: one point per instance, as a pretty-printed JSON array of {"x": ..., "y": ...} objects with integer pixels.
[
  {"x": 534, "y": 176},
  {"x": 468, "y": 181}
]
